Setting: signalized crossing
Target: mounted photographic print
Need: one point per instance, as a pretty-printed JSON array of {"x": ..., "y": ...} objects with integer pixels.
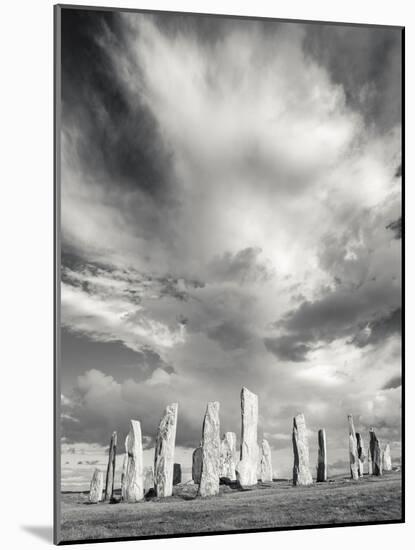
[{"x": 228, "y": 274}]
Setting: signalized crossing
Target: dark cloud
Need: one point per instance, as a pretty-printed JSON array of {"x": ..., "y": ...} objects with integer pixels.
[
  {"x": 379, "y": 330},
  {"x": 394, "y": 382},
  {"x": 113, "y": 138},
  {"x": 337, "y": 314},
  {"x": 288, "y": 348},
  {"x": 367, "y": 63},
  {"x": 230, "y": 335},
  {"x": 80, "y": 352},
  {"x": 396, "y": 227}
]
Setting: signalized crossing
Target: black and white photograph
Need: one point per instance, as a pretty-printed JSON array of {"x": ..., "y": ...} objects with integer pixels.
[{"x": 229, "y": 228}]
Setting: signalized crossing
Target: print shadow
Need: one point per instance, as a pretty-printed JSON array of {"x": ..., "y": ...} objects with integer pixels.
[{"x": 42, "y": 532}]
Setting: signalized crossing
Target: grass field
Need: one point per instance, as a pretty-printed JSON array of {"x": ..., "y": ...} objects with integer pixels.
[{"x": 272, "y": 505}]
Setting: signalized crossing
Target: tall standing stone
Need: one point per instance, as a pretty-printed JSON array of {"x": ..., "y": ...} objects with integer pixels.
[
  {"x": 266, "y": 463},
  {"x": 227, "y": 456},
  {"x": 177, "y": 474},
  {"x": 133, "y": 481},
  {"x": 354, "y": 466},
  {"x": 197, "y": 464},
  {"x": 369, "y": 461},
  {"x": 376, "y": 454},
  {"x": 164, "y": 452},
  {"x": 322, "y": 456},
  {"x": 109, "y": 481},
  {"x": 361, "y": 455},
  {"x": 246, "y": 471},
  {"x": 301, "y": 469},
  {"x": 387, "y": 460},
  {"x": 124, "y": 471},
  {"x": 97, "y": 486},
  {"x": 209, "y": 481}
]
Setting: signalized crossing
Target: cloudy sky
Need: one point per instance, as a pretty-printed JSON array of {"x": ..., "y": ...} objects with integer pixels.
[{"x": 231, "y": 215}]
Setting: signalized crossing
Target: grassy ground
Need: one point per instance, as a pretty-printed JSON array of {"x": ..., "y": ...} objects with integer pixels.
[{"x": 272, "y": 505}]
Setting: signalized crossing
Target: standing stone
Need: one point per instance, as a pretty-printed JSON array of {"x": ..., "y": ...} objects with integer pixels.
[
  {"x": 360, "y": 453},
  {"x": 266, "y": 463},
  {"x": 301, "y": 469},
  {"x": 124, "y": 471},
  {"x": 227, "y": 456},
  {"x": 148, "y": 479},
  {"x": 369, "y": 461},
  {"x": 109, "y": 481},
  {"x": 322, "y": 456},
  {"x": 354, "y": 467},
  {"x": 97, "y": 486},
  {"x": 246, "y": 471},
  {"x": 197, "y": 464},
  {"x": 177, "y": 474},
  {"x": 387, "y": 460},
  {"x": 209, "y": 481},
  {"x": 258, "y": 466},
  {"x": 164, "y": 452},
  {"x": 133, "y": 481},
  {"x": 376, "y": 454}
]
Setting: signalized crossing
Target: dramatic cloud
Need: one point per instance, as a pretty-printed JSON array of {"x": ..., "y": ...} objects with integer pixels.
[
  {"x": 396, "y": 227},
  {"x": 231, "y": 215}
]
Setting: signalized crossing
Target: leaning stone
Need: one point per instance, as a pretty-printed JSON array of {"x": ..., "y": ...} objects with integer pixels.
[
  {"x": 361, "y": 455},
  {"x": 354, "y": 468},
  {"x": 227, "y": 456},
  {"x": 387, "y": 460},
  {"x": 177, "y": 474},
  {"x": 197, "y": 464},
  {"x": 97, "y": 486},
  {"x": 266, "y": 463},
  {"x": 133, "y": 481},
  {"x": 246, "y": 471},
  {"x": 322, "y": 456},
  {"x": 164, "y": 452},
  {"x": 301, "y": 469},
  {"x": 209, "y": 481},
  {"x": 375, "y": 453},
  {"x": 109, "y": 482}
]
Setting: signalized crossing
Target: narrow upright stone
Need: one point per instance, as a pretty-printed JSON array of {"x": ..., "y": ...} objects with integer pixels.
[
  {"x": 301, "y": 469},
  {"x": 387, "y": 460},
  {"x": 209, "y": 481},
  {"x": 124, "y": 471},
  {"x": 133, "y": 481},
  {"x": 227, "y": 456},
  {"x": 164, "y": 452},
  {"x": 177, "y": 474},
  {"x": 197, "y": 464},
  {"x": 369, "y": 461},
  {"x": 361, "y": 455},
  {"x": 322, "y": 456},
  {"x": 97, "y": 486},
  {"x": 354, "y": 467},
  {"x": 375, "y": 453},
  {"x": 246, "y": 471},
  {"x": 109, "y": 481},
  {"x": 266, "y": 463}
]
